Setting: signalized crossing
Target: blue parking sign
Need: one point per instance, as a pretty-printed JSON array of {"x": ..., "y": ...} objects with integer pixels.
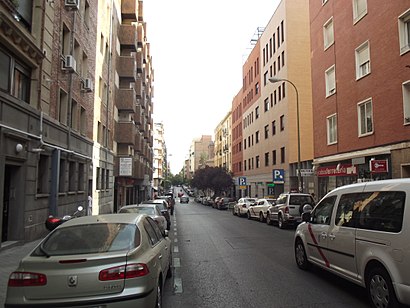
[
  {"x": 278, "y": 176},
  {"x": 242, "y": 181}
]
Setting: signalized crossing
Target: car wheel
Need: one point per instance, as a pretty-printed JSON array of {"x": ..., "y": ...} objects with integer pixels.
[
  {"x": 281, "y": 223},
  {"x": 261, "y": 219},
  {"x": 249, "y": 215},
  {"x": 300, "y": 255},
  {"x": 268, "y": 220},
  {"x": 233, "y": 212},
  {"x": 158, "y": 303},
  {"x": 380, "y": 289}
]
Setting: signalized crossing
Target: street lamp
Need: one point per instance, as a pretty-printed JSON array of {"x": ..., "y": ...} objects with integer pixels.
[{"x": 274, "y": 80}]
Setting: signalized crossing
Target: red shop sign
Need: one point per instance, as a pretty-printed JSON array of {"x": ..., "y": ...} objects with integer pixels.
[
  {"x": 379, "y": 166},
  {"x": 343, "y": 170}
]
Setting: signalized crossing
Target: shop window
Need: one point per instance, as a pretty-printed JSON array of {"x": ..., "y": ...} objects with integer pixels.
[
  {"x": 43, "y": 175},
  {"x": 72, "y": 176}
]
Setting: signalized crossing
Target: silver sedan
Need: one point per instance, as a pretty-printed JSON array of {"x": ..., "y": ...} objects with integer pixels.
[
  {"x": 151, "y": 210},
  {"x": 113, "y": 260}
]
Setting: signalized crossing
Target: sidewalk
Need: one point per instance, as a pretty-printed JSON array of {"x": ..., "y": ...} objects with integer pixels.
[{"x": 9, "y": 260}]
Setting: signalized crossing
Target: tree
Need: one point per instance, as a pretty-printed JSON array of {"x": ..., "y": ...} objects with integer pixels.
[{"x": 216, "y": 179}]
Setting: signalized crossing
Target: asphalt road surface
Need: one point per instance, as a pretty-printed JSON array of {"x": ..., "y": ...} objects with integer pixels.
[{"x": 221, "y": 260}]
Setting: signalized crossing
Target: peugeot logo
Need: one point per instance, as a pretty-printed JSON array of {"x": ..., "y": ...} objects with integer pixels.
[{"x": 72, "y": 281}]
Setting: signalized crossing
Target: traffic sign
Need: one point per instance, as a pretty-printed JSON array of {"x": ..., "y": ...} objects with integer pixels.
[
  {"x": 278, "y": 176},
  {"x": 242, "y": 181}
]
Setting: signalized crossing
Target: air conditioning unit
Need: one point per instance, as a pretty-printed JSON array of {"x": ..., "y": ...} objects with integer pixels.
[
  {"x": 87, "y": 85},
  {"x": 69, "y": 63},
  {"x": 72, "y": 4}
]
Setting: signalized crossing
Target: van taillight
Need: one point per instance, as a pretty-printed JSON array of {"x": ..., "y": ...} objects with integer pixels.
[
  {"x": 27, "y": 279},
  {"x": 286, "y": 210},
  {"x": 124, "y": 272}
]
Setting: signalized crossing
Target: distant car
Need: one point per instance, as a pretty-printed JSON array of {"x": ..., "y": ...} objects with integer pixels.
[
  {"x": 223, "y": 203},
  {"x": 184, "y": 199},
  {"x": 288, "y": 209},
  {"x": 241, "y": 207},
  {"x": 107, "y": 260},
  {"x": 151, "y": 210},
  {"x": 163, "y": 205},
  {"x": 260, "y": 208}
]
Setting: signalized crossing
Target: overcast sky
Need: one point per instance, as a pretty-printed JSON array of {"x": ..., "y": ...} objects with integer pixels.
[{"x": 198, "y": 48}]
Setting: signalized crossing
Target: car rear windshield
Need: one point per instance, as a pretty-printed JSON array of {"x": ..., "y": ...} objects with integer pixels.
[
  {"x": 90, "y": 238},
  {"x": 300, "y": 200},
  {"x": 139, "y": 210}
]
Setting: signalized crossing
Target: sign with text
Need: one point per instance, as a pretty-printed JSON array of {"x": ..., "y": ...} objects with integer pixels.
[
  {"x": 339, "y": 170},
  {"x": 125, "y": 166},
  {"x": 278, "y": 176},
  {"x": 306, "y": 172},
  {"x": 379, "y": 166}
]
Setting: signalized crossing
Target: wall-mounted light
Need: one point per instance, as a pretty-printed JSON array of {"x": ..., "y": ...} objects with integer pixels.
[{"x": 19, "y": 147}]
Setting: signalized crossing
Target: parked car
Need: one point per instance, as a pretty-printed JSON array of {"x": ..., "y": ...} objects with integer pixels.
[
  {"x": 151, "y": 210},
  {"x": 184, "y": 199},
  {"x": 260, "y": 208},
  {"x": 163, "y": 205},
  {"x": 288, "y": 209},
  {"x": 215, "y": 202},
  {"x": 170, "y": 200},
  {"x": 242, "y": 206},
  {"x": 359, "y": 232},
  {"x": 223, "y": 203},
  {"x": 112, "y": 260}
]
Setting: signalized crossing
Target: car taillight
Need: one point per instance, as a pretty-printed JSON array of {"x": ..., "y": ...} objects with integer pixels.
[
  {"x": 244, "y": 205},
  {"x": 286, "y": 210},
  {"x": 124, "y": 272},
  {"x": 53, "y": 219},
  {"x": 27, "y": 279}
]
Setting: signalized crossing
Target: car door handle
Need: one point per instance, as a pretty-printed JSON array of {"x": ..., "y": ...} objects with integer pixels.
[
  {"x": 160, "y": 257},
  {"x": 323, "y": 235},
  {"x": 332, "y": 237}
]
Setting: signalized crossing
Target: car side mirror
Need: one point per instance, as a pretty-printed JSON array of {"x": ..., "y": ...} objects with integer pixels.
[{"x": 166, "y": 233}]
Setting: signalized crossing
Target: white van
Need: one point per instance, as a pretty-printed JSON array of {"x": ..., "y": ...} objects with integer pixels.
[{"x": 361, "y": 232}]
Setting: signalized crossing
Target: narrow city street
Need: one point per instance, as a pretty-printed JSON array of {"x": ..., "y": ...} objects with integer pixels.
[{"x": 226, "y": 261}]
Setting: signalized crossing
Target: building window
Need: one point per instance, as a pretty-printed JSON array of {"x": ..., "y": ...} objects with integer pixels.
[
  {"x": 74, "y": 115},
  {"x": 266, "y": 131},
  {"x": 359, "y": 10},
  {"x": 282, "y": 31},
  {"x": 274, "y": 97},
  {"x": 61, "y": 182},
  {"x": 273, "y": 128},
  {"x": 81, "y": 176},
  {"x": 406, "y": 102},
  {"x": 274, "y": 157},
  {"x": 328, "y": 37},
  {"x": 265, "y": 78},
  {"x": 274, "y": 42},
  {"x": 257, "y": 137},
  {"x": 283, "y": 89},
  {"x": 266, "y": 104},
  {"x": 266, "y": 159},
  {"x": 72, "y": 176},
  {"x": 63, "y": 107},
  {"x": 282, "y": 122},
  {"x": 244, "y": 144},
  {"x": 244, "y": 165},
  {"x": 83, "y": 121},
  {"x": 16, "y": 83},
  {"x": 362, "y": 60},
  {"x": 256, "y": 88},
  {"x": 98, "y": 178},
  {"x": 43, "y": 175},
  {"x": 257, "y": 161},
  {"x": 282, "y": 155},
  {"x": 365, "y": 114},
  {"x": 257, "y": 112},
  {"x": 404, "y": 32},
  {"x": 283, "y": 58},
  {"x": 332, "y": 129},
  {"x": 330, "y": 81}
]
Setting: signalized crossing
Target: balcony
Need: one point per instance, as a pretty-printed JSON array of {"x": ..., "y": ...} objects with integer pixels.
[
  {"x": 139, "y": 62},
  {"x": 126, "y": 100},
  {"x": 129, "y": 10},
  {"x": 126, "y": 67},
  {"x": 138, "y": 88},
  {"x": 138, "y": 115},
  {"x": 125, "y": 132},
  {"x": 140, "y": 10},
  {"x": 128, "y": 36},
  {"x": 138, "y": 143}
]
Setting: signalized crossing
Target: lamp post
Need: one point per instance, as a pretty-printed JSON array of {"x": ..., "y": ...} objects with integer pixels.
[{"x": 274, "y": 80}]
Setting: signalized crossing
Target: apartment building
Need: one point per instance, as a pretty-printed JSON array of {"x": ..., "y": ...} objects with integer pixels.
[
  {"x": 133, "y": 141},
  {"x": 223, "y": 143},
  {"x": 361, "y": 91},
  {"x": 76, "y": 110},
  {"x": 160, "y": 161},
  {"x": 271, "y": 138},
  {"x": 200, "y": 152},
  {"x": 47, "y": 51}
]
